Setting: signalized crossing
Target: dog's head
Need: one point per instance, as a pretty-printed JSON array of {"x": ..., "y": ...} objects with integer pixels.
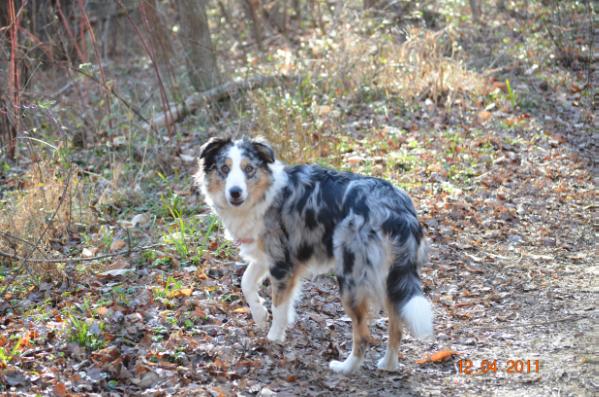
[{"x": 235, "y": 174}]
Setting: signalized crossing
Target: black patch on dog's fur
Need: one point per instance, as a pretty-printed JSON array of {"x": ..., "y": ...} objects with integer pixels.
[
  {"x": 348, "y": 261},
  {"x": 210, "y": 151},
  {"x": 403, "y": 282},
  {"x": 311, "y": 219},
  {"x": 258, "y": 149},
  {"x": 304, "y": 252},
  {"x": 279, "y": 270}
]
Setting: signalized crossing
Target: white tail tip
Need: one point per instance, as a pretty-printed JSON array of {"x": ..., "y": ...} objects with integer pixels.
[{"x": 418, "y": 316}]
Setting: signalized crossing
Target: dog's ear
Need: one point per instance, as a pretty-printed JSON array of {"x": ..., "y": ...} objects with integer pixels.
[
  {"x": 210, "y": 148},
  {"x": 264, "y": 149}
]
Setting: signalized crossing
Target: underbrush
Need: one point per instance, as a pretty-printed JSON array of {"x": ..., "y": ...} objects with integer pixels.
[
  {"x": 53, "y": 203},
  {"x": 350, "y": 75}
]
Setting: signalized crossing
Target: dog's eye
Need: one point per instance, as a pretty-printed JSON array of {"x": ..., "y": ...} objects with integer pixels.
[
  {"x": 249, "y": 169},
  {"x": 224, "y": 169}
]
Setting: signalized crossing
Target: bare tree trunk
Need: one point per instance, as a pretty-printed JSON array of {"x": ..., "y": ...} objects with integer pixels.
[
  {"x": 251, "y": 10},
  {"x": 200, "y": 55},
  {"x": 159, "y": 39},
  {"x": 10, "y": 106},
  {"x": 276, "y": 13},
  {"x": 475, "y": 7}
]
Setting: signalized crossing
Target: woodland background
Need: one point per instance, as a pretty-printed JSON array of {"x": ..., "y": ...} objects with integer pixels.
[{"x": 116, "y": 280}]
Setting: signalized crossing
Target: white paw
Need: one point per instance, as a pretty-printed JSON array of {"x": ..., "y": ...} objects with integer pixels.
[
  {"x": 388, "y": 363},
  {"x": 351, "y": 364},
  {"x": 260, "y": 316},
  {"x": 276, "y": 335}
]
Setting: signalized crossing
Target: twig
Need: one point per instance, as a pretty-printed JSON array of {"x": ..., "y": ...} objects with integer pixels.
[
  {"x": 112, "y": 91},
  {"x": 82, "y": 259},
  {"x": 178, "y": 112},
  {"x": 9, "y": 236}
]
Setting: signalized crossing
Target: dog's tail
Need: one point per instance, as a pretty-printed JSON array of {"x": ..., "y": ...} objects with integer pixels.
[{"x": 404, "y": 289}]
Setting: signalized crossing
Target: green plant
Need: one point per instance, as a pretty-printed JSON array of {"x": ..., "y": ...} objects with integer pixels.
[
  {"x": 172, "y": 205},
  {"x": 170, "y": 287},
  {"x": 6, "y": 355},
  {"x": 106, "y": 236},
  {"x": 511, "y": 95},
  {"x": 86, "y": 333}
]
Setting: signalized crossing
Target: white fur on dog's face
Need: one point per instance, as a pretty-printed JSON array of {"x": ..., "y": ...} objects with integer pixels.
[{"x": 236, "y": 190}]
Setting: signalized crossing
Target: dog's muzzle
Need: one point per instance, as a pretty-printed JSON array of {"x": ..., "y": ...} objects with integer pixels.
[{"x": 235, "y": 196}]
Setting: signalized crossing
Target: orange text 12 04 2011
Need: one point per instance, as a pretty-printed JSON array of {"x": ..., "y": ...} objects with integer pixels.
[{"x": 482, "y": 367}]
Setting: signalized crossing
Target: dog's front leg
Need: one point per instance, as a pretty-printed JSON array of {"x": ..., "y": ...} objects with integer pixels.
[
  {"x": 250, "y": 283},
  {"x": 283, "y": 291}
]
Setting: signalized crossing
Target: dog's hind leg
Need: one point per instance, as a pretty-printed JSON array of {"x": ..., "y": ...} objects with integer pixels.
[
  {"x": 389, "y": 361},
  {"x": 250, "y": 283},
  {"x": 405, "y": 300},
  {"x": 358, "y": 312}
]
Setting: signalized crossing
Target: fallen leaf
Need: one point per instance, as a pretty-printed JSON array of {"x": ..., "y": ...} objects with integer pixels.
[
  {"x": 180, "y": 293},
  {"x": 89, "y": 252},
  {"x": 117, "y": 245},
  {"x": 60, "y": 389},
  {"x": 437, "y": 357},
  {"x": 484, "y": 116}
]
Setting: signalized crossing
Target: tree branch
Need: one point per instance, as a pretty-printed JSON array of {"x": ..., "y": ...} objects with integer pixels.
[{"x": 178, "y": 112}]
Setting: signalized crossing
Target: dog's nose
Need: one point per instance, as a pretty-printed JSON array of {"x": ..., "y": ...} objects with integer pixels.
[{"x": 235, "y": 192}]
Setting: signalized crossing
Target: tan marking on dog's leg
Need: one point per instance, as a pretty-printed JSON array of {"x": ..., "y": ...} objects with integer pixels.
[
  {"x": 282, "y": 300},
  {"x": 390, "y": 362},
  {"x": 360, "y": 337}
]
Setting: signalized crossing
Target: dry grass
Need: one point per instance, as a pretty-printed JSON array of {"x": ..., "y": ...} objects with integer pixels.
[
  {"x": 345, "y": 70},
  {"x": 50, "y": 199}
]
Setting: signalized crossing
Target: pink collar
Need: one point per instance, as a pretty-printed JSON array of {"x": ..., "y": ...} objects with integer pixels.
[{"x": 241, "y": 241}]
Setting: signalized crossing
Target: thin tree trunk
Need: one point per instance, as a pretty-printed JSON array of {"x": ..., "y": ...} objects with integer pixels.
[
  {"x": 251, "y": 10},
  {"x": 200, "y": 55},
  {"x": 475, "y": 7}
]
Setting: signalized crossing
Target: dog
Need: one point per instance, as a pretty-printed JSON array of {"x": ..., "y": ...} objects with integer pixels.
[{"x": 291, "y": 221}]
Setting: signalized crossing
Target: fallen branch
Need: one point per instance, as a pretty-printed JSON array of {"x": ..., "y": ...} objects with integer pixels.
[{"x": 178, "y": 112}]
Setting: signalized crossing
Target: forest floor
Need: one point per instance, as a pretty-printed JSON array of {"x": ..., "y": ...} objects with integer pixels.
[{"x": 505, "y": 187}]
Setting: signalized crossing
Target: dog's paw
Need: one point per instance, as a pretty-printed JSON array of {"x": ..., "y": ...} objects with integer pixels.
[
  {"x": 276, "y": 335},
  {"x": 388, "y": 363},
  {"x": 260, "y": 316},
  {"x": 345, "y": 367}
]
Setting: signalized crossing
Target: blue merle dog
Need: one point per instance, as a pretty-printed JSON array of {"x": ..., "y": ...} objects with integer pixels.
[{"x": 291, "y": 221}]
